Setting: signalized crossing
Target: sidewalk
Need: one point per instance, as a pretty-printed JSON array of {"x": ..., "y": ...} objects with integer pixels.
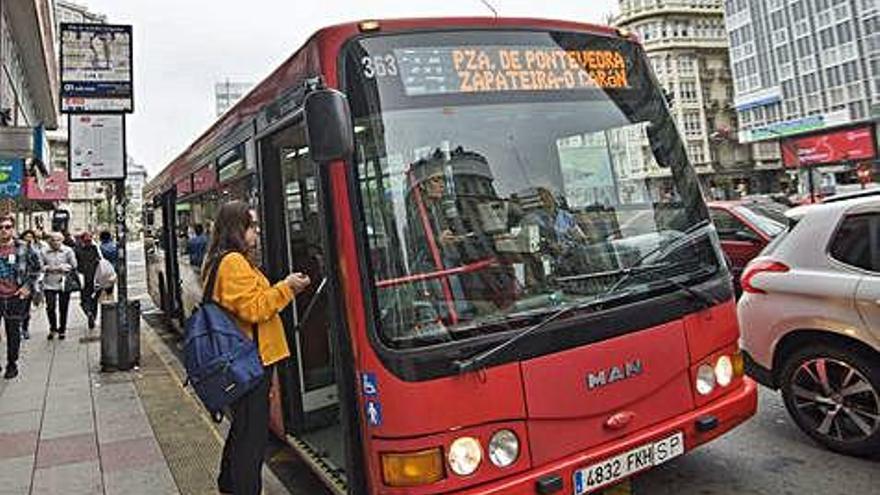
[{"x": 66, "y": 427}]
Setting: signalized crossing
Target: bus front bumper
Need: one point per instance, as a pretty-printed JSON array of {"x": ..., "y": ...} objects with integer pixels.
[{"x": 722, "y": 414}]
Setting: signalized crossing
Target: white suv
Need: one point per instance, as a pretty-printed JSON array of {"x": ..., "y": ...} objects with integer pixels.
[{"x": 810, "y": 322}]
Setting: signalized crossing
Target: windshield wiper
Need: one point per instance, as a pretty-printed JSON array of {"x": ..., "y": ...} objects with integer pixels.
[
  {"x": 707, "y": 300},
  {"x": 478, "y": 360}
]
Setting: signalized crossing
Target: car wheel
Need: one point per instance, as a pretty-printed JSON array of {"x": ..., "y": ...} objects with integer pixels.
[{"x": 834, "y": 397}]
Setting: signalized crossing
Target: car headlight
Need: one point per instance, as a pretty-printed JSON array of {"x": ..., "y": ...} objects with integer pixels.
[
  {"x": 705, "y": 379},
  {"x": 465, "y": 455},
  {"x": 724, "y": 371},
  {"x": 503, "y": 448}
]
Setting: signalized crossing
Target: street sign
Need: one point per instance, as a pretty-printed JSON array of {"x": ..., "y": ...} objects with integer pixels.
[
  {"x": 96, "y": 68},
  {"x": 11, "y": 177},
  {"x": 97, "y": 147}
]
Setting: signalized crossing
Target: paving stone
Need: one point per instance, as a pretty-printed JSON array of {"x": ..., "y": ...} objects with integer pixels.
[
  {"x": 152, "y": 479},
  {"x": 18, "y": 444},
  {"x": 20, "y": 421},
  {"x": 15, "y": 475},
  {"x": 62, "y": 424},
  {"x": 83, "y": 478},
  {"x": 67, "y": 450},
  {"x": 21, "y": 402},
  {"x": 122, "y": 425},
  {"x": 131, "y": 453}
]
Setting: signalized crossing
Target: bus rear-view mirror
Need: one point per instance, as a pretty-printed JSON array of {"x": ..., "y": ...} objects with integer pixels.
[{"x": 328, "y": 121}]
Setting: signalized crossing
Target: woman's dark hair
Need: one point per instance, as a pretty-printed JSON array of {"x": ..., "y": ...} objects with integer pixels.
[
  {"x": 230, "y": 225},
  {"x": 105, "y": 236},
  {"x": 26, "y": 232}
]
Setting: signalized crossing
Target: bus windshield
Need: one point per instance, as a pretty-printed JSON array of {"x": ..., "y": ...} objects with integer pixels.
[{"x": 504, "y": 175}]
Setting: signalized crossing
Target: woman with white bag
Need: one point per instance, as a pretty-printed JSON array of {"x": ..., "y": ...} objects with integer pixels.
[{"x": 105, "y": 278}]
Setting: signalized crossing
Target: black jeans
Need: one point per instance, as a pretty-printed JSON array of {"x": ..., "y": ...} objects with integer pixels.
[
  {"x": 57, "y": 321},
  {"x": 26, "y": 318},
  {"x": 89, "y": 299},
  {"x": 242, "y": 463},
  {"x": 11, "y": 312}
]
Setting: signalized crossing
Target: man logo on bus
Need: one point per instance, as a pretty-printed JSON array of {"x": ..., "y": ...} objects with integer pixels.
[{"x": 614, "y": 374}]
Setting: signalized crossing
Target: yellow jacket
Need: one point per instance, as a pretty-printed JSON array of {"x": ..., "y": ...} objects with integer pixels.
[{"x": 245, "y": 292}]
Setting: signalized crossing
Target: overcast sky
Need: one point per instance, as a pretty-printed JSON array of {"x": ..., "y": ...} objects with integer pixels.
[{"x": 182, "y": 47}]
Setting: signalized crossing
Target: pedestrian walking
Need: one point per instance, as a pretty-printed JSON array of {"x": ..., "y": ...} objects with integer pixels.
[
  {"x": 19, "y": 268},
  {"x": 87, "y": 258},
  {"x": 108, "y": 247},
  {"x": 59, "y": 281},
  {"x": 29, "y": 237},
  {"x": 245, "y": 292},
  {"x": 68, "y": 239},
  {"x": 197, "y": 245}
]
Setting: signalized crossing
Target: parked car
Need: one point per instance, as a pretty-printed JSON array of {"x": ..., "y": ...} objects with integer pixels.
[
  {"x": 745, "y": 228},
  {"x": 810, "y": 322},
  {"x": 857, "y": 193}
]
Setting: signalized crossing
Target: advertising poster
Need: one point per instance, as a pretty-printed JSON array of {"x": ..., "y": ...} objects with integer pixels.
[
  {"x": 11, "y": 177},
  {"x": 849, "y": 144},
  {"x": 53, "y": 188},
  {"x": 96, "y": 68},
  {"x": 204, "y": 179},
  {"x": 97, "y": 147}
]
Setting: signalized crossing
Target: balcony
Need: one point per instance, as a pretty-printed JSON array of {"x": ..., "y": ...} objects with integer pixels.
[{"x": 670, "y": 43}]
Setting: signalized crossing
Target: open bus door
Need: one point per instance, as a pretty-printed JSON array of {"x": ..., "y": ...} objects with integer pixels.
[
  {"x": 169, "y": 282},
  {"x": 308, "y": 400}
]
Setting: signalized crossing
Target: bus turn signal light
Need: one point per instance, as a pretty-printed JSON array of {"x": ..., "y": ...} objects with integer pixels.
[
  {"x": 739, "y": 365},
  {"x": 412, "y": 468}
]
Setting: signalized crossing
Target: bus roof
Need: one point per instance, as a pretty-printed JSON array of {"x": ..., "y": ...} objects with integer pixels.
[{"x": 295, "y": 69}]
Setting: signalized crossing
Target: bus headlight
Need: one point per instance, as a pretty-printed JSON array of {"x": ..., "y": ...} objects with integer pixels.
[
  {"x": 705, "y": 380},
  {"x": 465, "y": 455},
  {"x": 724, "y": 371},
  {"x": 503, "y": 448}
]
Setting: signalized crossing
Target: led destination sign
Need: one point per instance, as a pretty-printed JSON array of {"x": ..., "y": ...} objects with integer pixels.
[{"x": 477, "y": 69}]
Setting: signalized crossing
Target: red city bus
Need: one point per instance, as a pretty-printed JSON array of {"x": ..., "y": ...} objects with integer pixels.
[{"x": 480, "y": 321}]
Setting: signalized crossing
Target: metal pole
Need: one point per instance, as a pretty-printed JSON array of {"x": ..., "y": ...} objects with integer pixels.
[{"x": 121, "y": 281}]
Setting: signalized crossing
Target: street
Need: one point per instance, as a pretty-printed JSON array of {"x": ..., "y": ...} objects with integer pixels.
[{"x": 767, "y": 455}]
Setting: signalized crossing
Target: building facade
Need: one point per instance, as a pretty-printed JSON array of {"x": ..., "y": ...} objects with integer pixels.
[
  {"x": 72, "y": 12},
  {"x": 805, "y": 69},
  {"x": 227, "y": 93},
  {"x": 686, "y": 44},
  {"x": 28, "y": 98},
  {"x": 134, "y": 183}
]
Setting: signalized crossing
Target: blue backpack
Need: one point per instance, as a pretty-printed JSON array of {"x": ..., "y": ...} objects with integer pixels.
[{"x": 221, "y": 363}]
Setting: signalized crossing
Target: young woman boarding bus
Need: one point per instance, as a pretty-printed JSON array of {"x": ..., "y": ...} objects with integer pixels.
[{"x": 246, "y": 293}]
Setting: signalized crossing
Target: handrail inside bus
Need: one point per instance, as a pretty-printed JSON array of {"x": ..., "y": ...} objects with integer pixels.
[{"x": 470, "y": 267}]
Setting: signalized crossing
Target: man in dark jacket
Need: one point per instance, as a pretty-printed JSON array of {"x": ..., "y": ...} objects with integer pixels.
[
  {"x": 108, "y": 247},
  {"x": 197, "y": 245},
  {"x": 87, "y": 258},
  {"x": 19, "y": 268}
]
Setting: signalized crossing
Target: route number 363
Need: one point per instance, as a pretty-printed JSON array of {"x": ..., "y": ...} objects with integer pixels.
[{"x": 379, "y": 66}]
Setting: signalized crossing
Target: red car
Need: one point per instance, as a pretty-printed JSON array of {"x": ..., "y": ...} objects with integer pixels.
[{"x": 745, "y": 227}]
